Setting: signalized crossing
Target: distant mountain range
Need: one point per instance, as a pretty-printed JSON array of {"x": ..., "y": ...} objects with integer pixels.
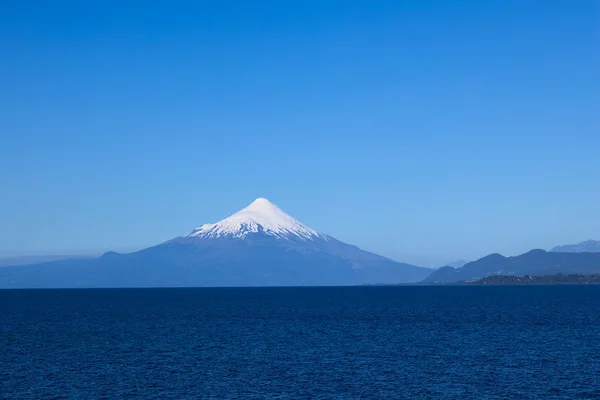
[
  {"x": 263, "y": 246},
  {"x": 258, "y": 246},
  {"x": 589, "y": 246},
  {"x": 534, "y": 262}
]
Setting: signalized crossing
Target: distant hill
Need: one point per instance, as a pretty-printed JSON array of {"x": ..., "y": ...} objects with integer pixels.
[
  {"x": 589, "y": 246},
  {"x": 26, "y": 260},
  {"x": 558, "y": 279},
  {"x": 535, "y": 262},
  {"x": 455, "y": 264}
]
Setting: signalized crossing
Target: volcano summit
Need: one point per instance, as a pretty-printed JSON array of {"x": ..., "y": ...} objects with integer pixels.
[
  {"x": 260, "y": 216},
  {"x": 259, "y": 245}
]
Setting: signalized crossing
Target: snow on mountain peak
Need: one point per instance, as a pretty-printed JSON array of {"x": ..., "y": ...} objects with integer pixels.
[{"x": 260, "y": 216}]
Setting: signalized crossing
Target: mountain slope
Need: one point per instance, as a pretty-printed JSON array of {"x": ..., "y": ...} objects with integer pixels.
[
  {"x": 535, "y": 263},
  {"x": 589, "y": 246},
  {"x": 257, "y": 246},
  {"x": 26, "y": 260}
]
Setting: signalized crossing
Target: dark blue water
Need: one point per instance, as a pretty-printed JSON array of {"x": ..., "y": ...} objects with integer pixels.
[{"x": 336, "y": 343}]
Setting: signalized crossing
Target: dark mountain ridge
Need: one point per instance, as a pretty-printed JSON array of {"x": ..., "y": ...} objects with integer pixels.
[{"x": 535, "y": 262}]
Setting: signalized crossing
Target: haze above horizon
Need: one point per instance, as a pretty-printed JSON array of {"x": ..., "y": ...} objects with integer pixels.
[{"x": 424, "y": 131}]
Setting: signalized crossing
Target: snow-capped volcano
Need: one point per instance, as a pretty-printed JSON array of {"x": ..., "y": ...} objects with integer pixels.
[
  {"x": 261, "y": 216},
  {"x": 259, "y": 245}
]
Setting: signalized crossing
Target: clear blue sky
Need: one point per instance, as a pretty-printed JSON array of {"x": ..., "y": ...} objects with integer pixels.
[{"x": 421, "y": 130}]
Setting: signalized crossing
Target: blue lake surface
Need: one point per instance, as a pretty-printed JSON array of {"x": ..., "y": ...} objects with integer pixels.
[{"x": 455, "y": 342}]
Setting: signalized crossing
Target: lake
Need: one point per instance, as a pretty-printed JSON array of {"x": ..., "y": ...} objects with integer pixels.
[{"x": 454, "y": 342}]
